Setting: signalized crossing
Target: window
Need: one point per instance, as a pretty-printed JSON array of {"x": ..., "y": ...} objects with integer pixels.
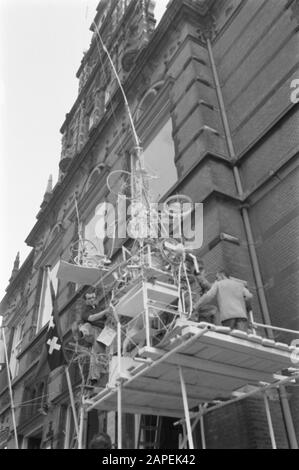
[
  {"x": 45, "y": 308},
  {"x": 159, "y": 160},
  {"x": 16, "y": 349},
  {"x": 91, "y": 119},
  {"x": 70, "y": 138},
  {"x": 106, "y": 98},
  {"x": 90, "y": 234}
]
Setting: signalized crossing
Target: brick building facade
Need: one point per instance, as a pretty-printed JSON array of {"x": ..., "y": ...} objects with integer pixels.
[{"x": 211, "y": 83}]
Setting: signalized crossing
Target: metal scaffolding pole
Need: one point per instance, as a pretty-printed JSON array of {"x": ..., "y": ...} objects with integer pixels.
[
  {"x": 81, "y": 427},
  {"x": 288, "y": 417},
  {"x": 275, "y": 328},
  {"x": 119, "y": 390},
  {"x": 202, "y": 428},
  {"x": 269, "y": 419},
  {"x": 261, "y": 389},
  {"x": 67, "y": 373},
  {"x": 186, "y": 409}
]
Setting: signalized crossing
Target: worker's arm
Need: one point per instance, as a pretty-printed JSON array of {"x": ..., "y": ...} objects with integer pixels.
[
  {"x": 204, "y": 283},
  {"x": 247, "y": 295},
  {"x": 208, "y": 297},
  {"x": 99, "y": 315}
]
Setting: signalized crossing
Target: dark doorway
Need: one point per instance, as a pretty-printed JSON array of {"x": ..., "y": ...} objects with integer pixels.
[
  {"x": 34, "y": 442},
  {"x": 169, "y": 434}
]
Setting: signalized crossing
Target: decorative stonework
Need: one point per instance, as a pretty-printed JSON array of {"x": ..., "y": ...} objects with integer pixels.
[
  {"x": 16, "y": 267},
  {"x": 208, "y": 29}
]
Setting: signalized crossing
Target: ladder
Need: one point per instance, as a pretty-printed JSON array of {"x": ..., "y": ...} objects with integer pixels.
[{"x": 149, "y": 432}]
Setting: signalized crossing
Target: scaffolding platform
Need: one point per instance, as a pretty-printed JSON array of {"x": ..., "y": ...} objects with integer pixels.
[{"x": 215, "y": 363}]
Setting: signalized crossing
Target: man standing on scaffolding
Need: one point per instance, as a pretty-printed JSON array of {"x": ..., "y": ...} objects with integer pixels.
[
  {"x": 199, "y": 286},
  {"x": 88, "y": 329},
  {"x": 233, "y": 300}
]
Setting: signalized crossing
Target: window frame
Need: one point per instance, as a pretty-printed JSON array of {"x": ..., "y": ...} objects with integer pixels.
[
  {"x": 18, "y": 335},
  {"x": 149, "y": 121},
  {"x": 149, "y": 138}
]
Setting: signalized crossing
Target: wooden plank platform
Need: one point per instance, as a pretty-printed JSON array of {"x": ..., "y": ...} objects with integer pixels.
[{"x": 214, "y": 363}]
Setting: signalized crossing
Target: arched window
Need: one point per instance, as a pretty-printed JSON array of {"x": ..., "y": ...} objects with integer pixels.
[
  {"x": 148, "y": 99},
  {"x": 93, "y": 176},
  {"x": 40, "y": 396},
  {"x": 33, "y": 402},
  {"x": 159, "y": 158},
  {"x": 153, "y": 117}
]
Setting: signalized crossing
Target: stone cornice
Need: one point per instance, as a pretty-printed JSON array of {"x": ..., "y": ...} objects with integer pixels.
[
  {"x": 204, "y": 5},
  {"x": 57, "y": 191},
  {"x": 227, "y": 24}
]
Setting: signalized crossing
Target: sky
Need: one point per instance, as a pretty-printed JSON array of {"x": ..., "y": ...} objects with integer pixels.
[{"x": 41, "y": 47}]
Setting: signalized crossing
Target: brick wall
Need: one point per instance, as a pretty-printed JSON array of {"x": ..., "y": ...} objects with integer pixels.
[
  {"x": 293, "y": 393},
  {"x": 244, "y": 425},
  {"x": 275, "y": 225},
  {"x": 257, "y": 58},
  {"x": 225, "y": 430}
]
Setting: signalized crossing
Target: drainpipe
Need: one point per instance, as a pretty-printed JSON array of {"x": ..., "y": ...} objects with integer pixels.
[
  {"x": 288, "y": 417},
  {"x": 244, "y": 210}
]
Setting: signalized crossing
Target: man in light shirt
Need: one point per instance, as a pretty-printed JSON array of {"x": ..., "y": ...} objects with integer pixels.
[{"x": 233, "y": 300}]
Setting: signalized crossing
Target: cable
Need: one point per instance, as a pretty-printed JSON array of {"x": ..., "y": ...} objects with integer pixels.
[
  {"x": 189, "y": 289},
  {"x": 137, "y": 141},
  {"x": 110, "y": 104},
  {"x": 78, "y": 220}
]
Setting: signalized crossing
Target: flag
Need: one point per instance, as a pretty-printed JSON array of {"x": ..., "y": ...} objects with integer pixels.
[
  {"x": 52, "y": 351},
  {"x": 55, "y": 352}
]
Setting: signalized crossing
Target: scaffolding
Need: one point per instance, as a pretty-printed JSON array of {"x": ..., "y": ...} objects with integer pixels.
[
  {"x": 193, "y": 364},
  {"x": 162, "y": 362}
]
